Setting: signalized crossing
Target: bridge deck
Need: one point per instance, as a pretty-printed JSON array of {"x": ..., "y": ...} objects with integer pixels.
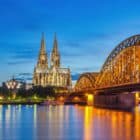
[{"x": 130, "y": 87}]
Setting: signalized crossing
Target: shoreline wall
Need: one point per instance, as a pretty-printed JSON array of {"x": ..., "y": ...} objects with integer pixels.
[{"x": 121, "y": 101}]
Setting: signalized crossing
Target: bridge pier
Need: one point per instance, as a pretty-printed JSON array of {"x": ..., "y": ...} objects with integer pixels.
[
  {"x": 137, "y": 98},
  {"x": 90, "y": 99},
  {"x": 124, "y": 101}
]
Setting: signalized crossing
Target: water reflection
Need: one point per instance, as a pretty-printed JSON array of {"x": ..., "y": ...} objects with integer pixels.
[
  {"x": 88, "y": 121},
  {"x": 67, "y": 123}
]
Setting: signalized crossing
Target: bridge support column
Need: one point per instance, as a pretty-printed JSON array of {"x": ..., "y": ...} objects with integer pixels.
[
  {"x": 137, "y": 98},
  {"x": 117, "y": 101},
  {"x": 90, "y": 99}
]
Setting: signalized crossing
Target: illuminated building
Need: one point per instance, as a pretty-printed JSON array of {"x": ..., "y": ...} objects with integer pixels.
[
  {"x": 13, "y": 84},
  {"x": 53, "y": 75}
]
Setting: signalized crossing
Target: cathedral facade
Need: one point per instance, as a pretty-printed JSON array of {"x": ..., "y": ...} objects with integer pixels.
[{"x": 50, "y": 75}]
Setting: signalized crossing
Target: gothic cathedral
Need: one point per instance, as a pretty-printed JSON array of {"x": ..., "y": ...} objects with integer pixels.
[{"x": 53, "y": 75}]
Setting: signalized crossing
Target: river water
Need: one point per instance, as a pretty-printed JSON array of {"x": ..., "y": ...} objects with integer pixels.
[{"x": 24, "y": 122}]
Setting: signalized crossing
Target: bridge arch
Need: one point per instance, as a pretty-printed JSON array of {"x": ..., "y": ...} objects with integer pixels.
[
  {"x": 122, "y": 66},
  {"x": 85, "y": 82},
  {"x": 131, "y": 41}
]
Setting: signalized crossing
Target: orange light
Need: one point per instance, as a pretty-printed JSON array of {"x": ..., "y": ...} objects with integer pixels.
[
  {"x": 90, "y": 99},
  {"x": 76, "y": 99},
  {"x": 137, "y": 98},
  {"x": 1, "y": 97},
  {"x": 61, "y": 98}
]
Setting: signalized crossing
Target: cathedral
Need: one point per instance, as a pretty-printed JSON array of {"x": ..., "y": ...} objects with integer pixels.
[{"x": 50, "y": 75}]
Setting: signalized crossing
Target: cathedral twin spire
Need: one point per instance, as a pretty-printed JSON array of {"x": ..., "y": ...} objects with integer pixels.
[
  {"x": 43, "y": 57},
  {"x": 55, "y": 56}
]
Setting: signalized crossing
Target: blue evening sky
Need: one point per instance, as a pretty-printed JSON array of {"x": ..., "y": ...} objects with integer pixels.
[{"x": 87, "y": 31}]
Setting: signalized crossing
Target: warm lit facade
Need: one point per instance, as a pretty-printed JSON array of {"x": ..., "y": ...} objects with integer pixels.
[
  {"x": 53, "y": 75},
  {"x": 13, "y": 84}
]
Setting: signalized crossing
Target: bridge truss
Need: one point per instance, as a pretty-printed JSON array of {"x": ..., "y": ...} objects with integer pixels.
[
  {"x": 86, "y": 82},
  {"x": 121, "y": 67}
]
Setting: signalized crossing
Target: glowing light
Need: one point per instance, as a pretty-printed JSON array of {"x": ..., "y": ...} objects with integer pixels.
[
  {"x": 137, "y": 98},
  {"x": 137, "y": 95},
  {"x": 1, "y": 98},
  {"x": 14, "y": 95},
  {"x": 90, "y": 99},
  {"x": 88, "y": 120},
  {"x": 35, "y": 115},
  {"x": 35, "y": 97},
  {"x": 61, "y": 99},
  {"x": 76, "y": 99}
]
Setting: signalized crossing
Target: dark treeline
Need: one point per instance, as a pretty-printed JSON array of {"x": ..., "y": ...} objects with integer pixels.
[
  {"x": 38, "y": 91},
  {"x": 4, "y": 92}
]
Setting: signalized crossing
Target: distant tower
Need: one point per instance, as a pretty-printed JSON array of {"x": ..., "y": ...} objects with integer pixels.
[
  {"x": 43, "y": 58},
  {"x": 55, "y": 55}
]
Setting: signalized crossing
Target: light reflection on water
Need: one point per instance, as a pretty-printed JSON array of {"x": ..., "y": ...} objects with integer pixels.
[{"x": 67, "y": 123}]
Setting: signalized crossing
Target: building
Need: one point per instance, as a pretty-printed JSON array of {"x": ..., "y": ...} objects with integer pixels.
[
  {"x": 51, "y": 75},
  {"x": 13, "y": 84}
]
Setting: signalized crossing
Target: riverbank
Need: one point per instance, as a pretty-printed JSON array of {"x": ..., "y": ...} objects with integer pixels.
[{"x": 19, "y": 102}]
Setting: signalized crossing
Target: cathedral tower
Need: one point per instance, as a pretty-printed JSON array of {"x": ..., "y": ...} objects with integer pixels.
[
  {"x": 43, "y": 58},
  {"x": 55, "y": 56},
  {"x": 54, "y": 75},
  {"x": 42, "y": 65}
]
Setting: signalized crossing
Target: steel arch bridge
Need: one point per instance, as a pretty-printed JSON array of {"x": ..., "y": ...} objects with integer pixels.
[
  {"x": 86, "y": 82},
  {"x": 122, "y": 67}
]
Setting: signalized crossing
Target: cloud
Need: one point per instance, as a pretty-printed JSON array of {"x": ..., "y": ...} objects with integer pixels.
[
  {"x": 25, "y": 55},
  {"x": 84, "y": 69},
  {"x": 98, "y": 36},
  {"x": 24, "y": 76},
  {"x": 17, "y": 62},
  {"x": 19, "y": 54},
  {"x": 71, "y": 44}
]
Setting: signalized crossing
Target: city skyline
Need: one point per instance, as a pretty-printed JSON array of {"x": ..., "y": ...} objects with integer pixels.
[{"x": 87, "y": 32}]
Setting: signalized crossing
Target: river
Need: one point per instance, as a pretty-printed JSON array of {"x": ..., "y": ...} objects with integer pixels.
[{"x": 26, "y": 122}]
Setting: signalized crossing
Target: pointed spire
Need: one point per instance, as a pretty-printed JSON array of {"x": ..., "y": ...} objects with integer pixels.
[
  {"x": 55, "y": 36},
  {"x": 43, "y": 49},
  {"x": 55, "y": 56},
  {"x": 55, "y": 45},
  {"x": 43, "y": 60}
]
